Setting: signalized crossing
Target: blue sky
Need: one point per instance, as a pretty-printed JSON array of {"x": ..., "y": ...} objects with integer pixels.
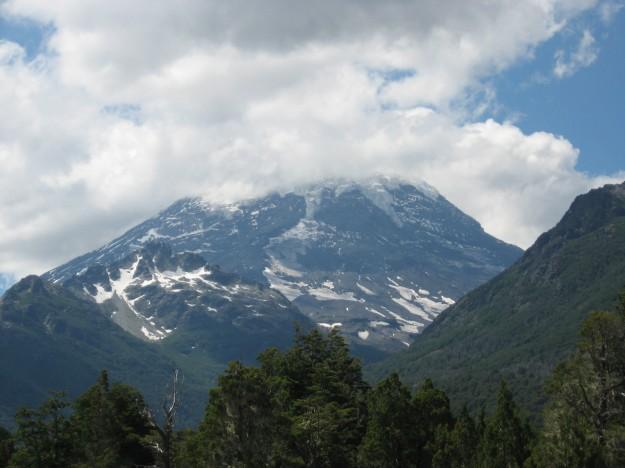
[
  {"x": 588, "y": 108},
  {"x": 119, "y": 108},
  {"x": 30, "y": 34}
]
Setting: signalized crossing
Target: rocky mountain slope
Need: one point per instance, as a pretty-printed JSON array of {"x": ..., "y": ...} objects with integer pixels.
[
  {"x": 380, "y": 258},
  {"x": 154, "y": 294},
  {"x": 51, "y": 340},
  {"x": 140, "y": 318},
  {"x": 520, "y": 324}
]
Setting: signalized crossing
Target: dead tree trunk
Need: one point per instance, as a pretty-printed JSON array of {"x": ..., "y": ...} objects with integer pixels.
[{"x": 170, "y": 405}]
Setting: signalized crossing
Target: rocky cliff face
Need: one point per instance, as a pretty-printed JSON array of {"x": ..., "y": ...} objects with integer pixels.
[{"x": 153, "y": 294}]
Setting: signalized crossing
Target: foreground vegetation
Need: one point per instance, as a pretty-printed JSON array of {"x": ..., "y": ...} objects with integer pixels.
[{"x": 310, "y": 407}]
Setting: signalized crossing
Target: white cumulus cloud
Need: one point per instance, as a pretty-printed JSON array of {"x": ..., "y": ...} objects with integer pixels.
[{"x": 136, "y": 104}]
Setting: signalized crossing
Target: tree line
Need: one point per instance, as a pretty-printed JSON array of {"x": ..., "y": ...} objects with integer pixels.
[{"x": 309, "y": 406}]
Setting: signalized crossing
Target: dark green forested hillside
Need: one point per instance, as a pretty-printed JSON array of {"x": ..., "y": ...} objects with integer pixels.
[
  {"x": 524, "y": 321},
  {"x": 310, "y": 407},
  {"x": 52, "y": 340},
  {"x": 52, "y": 337}
]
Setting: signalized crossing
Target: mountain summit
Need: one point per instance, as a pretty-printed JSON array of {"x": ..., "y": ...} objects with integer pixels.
[{"x": 380, "y": 258}]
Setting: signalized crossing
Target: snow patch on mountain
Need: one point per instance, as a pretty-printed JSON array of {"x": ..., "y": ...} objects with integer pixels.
[
  {"x": 378, "y": 323},
  {"x": 365, "y": 289},
  {"x": 101, "y": 293},
  {"x": 417, "y": 301},
  {"x": 152, "y": 234},
  {"x": 279, "y": 267},
  {"x": 378, "y": 195},
  {"x": 406, "y": 325},
  {"x": 330, "y": 325},
  {"x": 289, "y": 289},
  {"x": 447, "y": 300},
  {"x": 125, "y": 278},
  {"x": 148, "y": 292},
  {"x": 327, "y": 294},
  {"x": 305, "y": 230},
  {"x": 412, "y": 308}
]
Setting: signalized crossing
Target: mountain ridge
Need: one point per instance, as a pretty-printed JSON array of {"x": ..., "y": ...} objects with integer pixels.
[
  {"x": 59, "y": 337},
  {"x": 53, "y": 340},
  {"x": 521, "y": 323},
  {"x": 379, "y": 258},
  {"x": 153, "y": 291}
]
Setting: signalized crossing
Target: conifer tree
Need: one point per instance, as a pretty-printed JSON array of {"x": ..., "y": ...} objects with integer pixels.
[
  {"x": 112, "y": 426},
  {"x": 432, "y": 416},
  {"x": 391, "y": 437},
  {"x": 458, "y": 448},
  {"x": 189, "y": 449},
  {"x": 239, "y": 425},
  {"x": 304, "y": 407},
  {"x": 6, "y": 447},
  {"x": 585, "y": 419},
  {"x": 507, "y": 438},
  {"x": 44, "y": 437},
  {"x": 328, "y": 407}
]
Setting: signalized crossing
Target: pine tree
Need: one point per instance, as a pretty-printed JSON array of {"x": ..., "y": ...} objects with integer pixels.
[
  {"x": 328, "y": 395},
  {"x": 507, "y": 438},
  {"x": 190, "y": 449},
  {"x": 458, "y": 448},
  {"x": 112, "y": 426},
  {"x": 304, "y": 407},
  {"x": 240, "y": 423},
  {"x": 433, "y": 418},
  {"x": 44, "y": 437},
  {"x": 93, "y": 423},
  {"x": 6, "y": 447},
  {"x": 391, "y": 437},
  {"x": 585, "y": 419}
]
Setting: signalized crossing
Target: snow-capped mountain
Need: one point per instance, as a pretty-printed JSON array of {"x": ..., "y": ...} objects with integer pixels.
[
  {"x": 152, "y": 292},
  {"x": 380, "y": 258}
]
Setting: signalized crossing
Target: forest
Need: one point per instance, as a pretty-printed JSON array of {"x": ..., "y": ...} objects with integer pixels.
[{"x": 309, "y": 406}]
